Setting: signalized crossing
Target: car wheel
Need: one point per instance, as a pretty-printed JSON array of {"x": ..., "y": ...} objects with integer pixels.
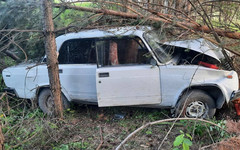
[
  {"x": 196, "y": 104},
  {"x": 46, "y": 103}
]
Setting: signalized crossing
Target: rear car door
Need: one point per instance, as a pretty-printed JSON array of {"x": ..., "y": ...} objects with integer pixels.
[{"x": 77, "y": 69}]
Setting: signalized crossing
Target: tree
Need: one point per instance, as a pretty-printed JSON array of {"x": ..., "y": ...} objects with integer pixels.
[
  {"x": 1, "y": 138},
  {"x": 52, "y": 62}
]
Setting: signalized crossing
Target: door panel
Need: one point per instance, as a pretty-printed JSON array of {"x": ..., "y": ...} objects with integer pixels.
[
  {"x": 128, "y": 85},
  {"x": 80, "y": 81}
]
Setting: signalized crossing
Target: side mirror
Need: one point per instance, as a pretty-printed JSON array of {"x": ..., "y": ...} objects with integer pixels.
[{"x": 153, "y": 62}]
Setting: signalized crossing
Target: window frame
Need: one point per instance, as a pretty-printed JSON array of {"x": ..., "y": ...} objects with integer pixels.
[
  {"x": 142, "y": 44},
  {"x": 92, "y": 44}
]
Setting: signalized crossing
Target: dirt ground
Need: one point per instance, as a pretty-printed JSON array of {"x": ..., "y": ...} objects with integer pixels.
[{"x": 91, "y": 127}]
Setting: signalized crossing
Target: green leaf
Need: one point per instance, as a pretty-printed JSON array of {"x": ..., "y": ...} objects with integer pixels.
[
  {"x": 176, "y": 148},
  {"x": 188, "y": 135},
  {"x": 148, "y": 132},
  {"x": 187, "y": 141},
  {"x": 178, "y": 140},
  {"x": 181, "y": 132},
  {"x": 185, "y": 146}
]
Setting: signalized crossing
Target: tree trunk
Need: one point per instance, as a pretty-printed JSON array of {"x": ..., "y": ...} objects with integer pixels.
[
  {"x": 52, "y": 62},
  {"x": 1, "y": 139}
]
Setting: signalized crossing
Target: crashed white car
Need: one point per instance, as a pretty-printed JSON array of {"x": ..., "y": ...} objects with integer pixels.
[{"x": 129, "y": 66}]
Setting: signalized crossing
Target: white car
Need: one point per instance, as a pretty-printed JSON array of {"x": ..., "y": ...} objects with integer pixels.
[{"x": 129, "y": 66}]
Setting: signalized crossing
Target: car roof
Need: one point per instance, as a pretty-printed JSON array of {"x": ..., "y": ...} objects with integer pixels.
[{"x": 103, "y": 32}]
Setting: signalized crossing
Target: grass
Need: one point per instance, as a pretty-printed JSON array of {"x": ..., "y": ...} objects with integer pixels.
[{"x": 25, "y": 127}]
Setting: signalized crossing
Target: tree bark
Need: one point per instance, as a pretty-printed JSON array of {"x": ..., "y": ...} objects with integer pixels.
[
  {"x": 1, "y": 139},
  {"x": 52, "y": 62}
]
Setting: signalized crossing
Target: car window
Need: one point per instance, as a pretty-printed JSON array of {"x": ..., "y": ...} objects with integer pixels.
[
  {"x": 153, "y": 40},
  {"x": 122, "y": 51},
  {"x": 77, "y": 51}
]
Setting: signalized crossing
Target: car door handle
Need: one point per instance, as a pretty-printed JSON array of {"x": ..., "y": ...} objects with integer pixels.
[{"x": 103, "y": 75}]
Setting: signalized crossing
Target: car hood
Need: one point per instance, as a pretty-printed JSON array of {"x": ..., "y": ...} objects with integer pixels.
[{"x": 200, "y": 45}]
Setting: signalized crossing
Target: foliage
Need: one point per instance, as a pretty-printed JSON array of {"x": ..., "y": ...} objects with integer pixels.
[
  {"x": 27, "y": 15},
  {"x": 203, "y": 129},
  {"x": 72, "y": 145},
  {"x": 23, "y": 15},
  {"x": 26, "y": 127},
  {"x": 183, "y": 139}
]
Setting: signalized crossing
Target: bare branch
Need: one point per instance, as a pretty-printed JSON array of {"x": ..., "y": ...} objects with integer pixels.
[
  {"x": 11, "y": 54},
  {"x": 19, "y": 30},
  {"x": 161, "y": 121},
  {"x": 183, "y": 24}
]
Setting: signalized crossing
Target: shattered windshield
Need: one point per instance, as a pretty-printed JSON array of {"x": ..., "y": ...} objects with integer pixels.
[{"x": 153, "y": 40}]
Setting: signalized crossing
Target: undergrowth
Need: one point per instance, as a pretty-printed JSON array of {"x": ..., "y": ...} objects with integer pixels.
[{"x": 26, "y": 127}]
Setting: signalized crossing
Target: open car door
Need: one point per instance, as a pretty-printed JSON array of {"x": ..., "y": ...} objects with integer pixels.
[{"x": 124, "y": 76}]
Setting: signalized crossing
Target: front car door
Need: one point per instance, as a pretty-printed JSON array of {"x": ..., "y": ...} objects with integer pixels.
[{"x": 124, "y": 75}]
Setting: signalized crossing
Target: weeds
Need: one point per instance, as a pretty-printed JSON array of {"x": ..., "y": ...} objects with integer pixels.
[
  {"x": 183, "y": 139},
  {"x": 25, "y": 127},
  {"x": 73, "y": 145},
  {"x": 202, "y": 130}
]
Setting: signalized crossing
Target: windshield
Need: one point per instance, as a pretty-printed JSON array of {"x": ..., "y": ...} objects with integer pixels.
[{"x": 153, "y": 40}]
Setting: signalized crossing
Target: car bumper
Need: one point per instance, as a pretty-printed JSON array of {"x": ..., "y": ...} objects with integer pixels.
[{"x": 235, "y": 96}]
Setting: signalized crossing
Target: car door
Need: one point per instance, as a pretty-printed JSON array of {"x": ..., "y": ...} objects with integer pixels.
[
  {"x": 124, "y": 75},
  {"x": 77, "y": 69}
]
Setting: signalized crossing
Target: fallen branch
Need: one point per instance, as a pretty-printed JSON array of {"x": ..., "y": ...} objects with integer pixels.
[
  {"x": 183, "y": 24},
  {"x": 24, "y": 141},
  {"x": 11, "y": 54},
  {"x": 101, "y": 143},
  {"x": 161, "y": 121},
  {"x": 3, "y": 94}
]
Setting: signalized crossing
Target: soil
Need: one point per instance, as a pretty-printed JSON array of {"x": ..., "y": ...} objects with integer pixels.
[{"x": 90, "y": 127}]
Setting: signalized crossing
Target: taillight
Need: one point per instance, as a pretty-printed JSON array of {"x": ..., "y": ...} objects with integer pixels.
[{"x": 207, "y": 65}]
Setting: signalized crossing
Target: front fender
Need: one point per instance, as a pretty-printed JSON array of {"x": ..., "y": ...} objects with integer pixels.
[{"x": 176, "y": 79}]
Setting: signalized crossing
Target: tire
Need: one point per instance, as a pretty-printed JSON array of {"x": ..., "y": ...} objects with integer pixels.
[
  {"x": 196, "y": 104},
  {"x": 46, "y": 102}
]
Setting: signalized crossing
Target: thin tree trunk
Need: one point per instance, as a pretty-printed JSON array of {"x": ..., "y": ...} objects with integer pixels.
[
  {"x": 52, "y": 62},
  {"x": 1, "y": 139}
]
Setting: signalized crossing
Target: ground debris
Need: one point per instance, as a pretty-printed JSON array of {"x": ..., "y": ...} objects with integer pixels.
[
  {"x": 232, "y": 143},
  {"x": 233, "y": 126}
]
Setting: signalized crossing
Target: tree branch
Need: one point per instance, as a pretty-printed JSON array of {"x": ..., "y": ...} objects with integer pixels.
[
  {"x": 161, "y": 121},
  {"x": 19, "y": 30},
  {"x": 183, "y": 24}
]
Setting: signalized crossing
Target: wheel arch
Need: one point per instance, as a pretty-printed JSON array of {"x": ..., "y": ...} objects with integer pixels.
[
  {"x": 64, "y": 92},
  {"x": 212, "y": 90}
]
